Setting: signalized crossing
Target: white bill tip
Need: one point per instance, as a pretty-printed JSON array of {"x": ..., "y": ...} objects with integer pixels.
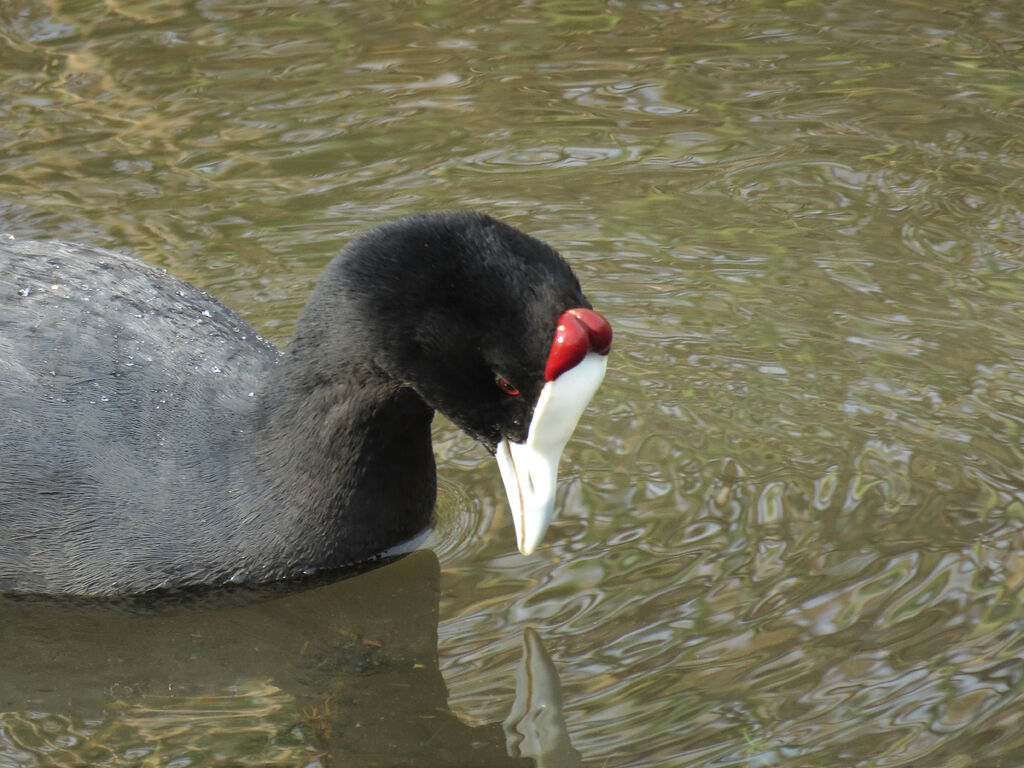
[{"x": 530, "y": 470}]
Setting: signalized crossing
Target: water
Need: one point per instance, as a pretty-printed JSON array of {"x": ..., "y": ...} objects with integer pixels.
[{"x": 791, "y": 526}]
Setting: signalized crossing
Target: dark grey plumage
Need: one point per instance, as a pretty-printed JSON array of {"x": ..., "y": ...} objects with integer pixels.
[{"x": 150, "y": 439}]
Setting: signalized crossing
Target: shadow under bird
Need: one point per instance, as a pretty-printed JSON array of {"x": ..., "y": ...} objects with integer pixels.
[{"x": 149, "y": 439}]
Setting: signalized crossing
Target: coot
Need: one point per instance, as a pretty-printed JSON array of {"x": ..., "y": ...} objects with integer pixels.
[{"x": 150, "y": 439}]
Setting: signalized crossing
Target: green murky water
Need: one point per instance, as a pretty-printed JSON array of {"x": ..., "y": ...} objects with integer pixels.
[{"x": 793, "y": 522}]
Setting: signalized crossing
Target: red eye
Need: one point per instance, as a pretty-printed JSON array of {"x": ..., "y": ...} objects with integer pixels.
[{"x": 506, "y": 386}]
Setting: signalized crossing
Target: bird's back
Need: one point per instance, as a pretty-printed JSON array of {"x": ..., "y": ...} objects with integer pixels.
[{"x": 124, "y": 392}]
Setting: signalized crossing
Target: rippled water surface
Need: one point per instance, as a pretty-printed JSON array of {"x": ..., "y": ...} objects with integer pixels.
[{"x": 792, "y": 527}]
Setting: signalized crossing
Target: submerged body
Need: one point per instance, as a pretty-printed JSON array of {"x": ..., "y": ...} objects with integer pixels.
[{"x": 150, "y": 439}]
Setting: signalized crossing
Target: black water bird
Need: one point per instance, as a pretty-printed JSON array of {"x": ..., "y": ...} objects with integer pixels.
[{"x": 150, "y": 439}]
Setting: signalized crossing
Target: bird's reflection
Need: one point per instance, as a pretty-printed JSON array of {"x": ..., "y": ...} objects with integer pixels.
[
  {"x": 342, "y": 673},
  {"x": 535, "y": 727}
]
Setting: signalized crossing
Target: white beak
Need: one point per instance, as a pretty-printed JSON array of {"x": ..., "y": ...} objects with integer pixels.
[{"x": 530, "y": 470}]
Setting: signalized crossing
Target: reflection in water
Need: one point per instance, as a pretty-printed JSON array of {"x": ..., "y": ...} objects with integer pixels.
[
  {"x": 334, "y": 675},
  {"x": 536, "y": 725}
]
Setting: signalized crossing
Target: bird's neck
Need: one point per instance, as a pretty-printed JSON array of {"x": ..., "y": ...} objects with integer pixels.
[{"x": 346, "y": 462}]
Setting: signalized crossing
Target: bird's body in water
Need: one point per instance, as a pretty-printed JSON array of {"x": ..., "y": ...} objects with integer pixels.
[{"x": 150, "y": 439}]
